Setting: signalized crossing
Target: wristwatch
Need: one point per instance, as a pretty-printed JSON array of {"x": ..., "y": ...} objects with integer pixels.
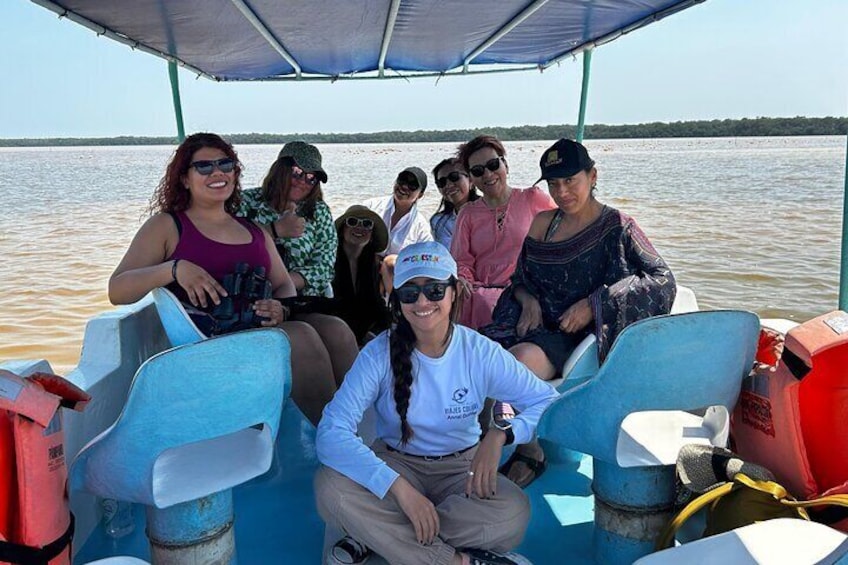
[{"x": 506, "y": 427}]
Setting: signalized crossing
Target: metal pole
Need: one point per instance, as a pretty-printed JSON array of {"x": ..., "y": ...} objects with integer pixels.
[
  {"x": 843, "y": 271},
  {"x": 584, "y": 93},
  {"x": 175, "y": 94}
]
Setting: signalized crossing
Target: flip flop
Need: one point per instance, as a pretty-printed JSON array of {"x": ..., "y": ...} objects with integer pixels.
[{"x": 536, "y": 467}]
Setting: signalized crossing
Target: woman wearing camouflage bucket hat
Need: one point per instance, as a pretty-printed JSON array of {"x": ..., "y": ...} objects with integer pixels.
[{"x": 291, "y": 204}]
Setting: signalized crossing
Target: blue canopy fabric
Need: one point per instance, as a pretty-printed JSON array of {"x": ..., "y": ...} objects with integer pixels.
[{"x": 231, "y": 40}]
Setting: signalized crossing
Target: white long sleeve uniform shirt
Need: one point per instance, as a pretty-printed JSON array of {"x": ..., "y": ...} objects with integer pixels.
[{"x": 447, "y": 394}]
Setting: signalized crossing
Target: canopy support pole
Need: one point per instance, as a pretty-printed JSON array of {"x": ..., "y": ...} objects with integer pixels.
[
  {"x": 843, "y": 271},
  {"x": 584, "y": 94},
  {"x": 175, "y": 94}
]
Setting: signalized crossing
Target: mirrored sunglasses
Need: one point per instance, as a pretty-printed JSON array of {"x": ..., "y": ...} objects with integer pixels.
[
  {"x": 205, "y": 168},
  {"x": 452, "y": 176},
  {"x": 308, "y": 178},
  {"x": 366, "y": 223},
  {"x": 433, "y": 291},
  {"x": 492, "y": 164}
]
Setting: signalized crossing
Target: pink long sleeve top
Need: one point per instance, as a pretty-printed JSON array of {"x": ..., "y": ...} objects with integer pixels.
[{"x": 486, "y": 244}]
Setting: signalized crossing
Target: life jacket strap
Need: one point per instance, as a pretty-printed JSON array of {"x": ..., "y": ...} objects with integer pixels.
[{"x": 26, "y": 555}]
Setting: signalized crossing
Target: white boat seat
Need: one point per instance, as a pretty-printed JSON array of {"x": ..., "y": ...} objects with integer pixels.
[
  {"x": 657, "y": 370},
  {"x": 655, "y": 437},
  {"x": 198, "y": 419},
  {"x": 778, "y": 541},
  {"x": 781, "y": 325},
  {"x": 582, "y": 364}
]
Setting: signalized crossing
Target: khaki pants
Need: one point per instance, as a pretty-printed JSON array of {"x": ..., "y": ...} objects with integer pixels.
[{"x": 496, "y": 523}]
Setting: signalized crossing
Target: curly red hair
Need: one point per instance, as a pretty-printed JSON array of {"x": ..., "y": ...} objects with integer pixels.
[{"x": 171, "y": 195}]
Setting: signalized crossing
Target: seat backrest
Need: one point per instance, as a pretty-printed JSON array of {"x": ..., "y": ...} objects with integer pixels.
[
  {"x": 177, "y": 324},
  {"x": 674, "y": 362},
  {"x": 684, "y": 301},
  {"x": 198, "y": 419},
  {"x": 583, "y": 361}
]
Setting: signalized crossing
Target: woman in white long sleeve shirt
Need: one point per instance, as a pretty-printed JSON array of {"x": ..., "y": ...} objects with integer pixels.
[
  {"x": 400, "y": 211},
  {"x": 428, "y": 490}
]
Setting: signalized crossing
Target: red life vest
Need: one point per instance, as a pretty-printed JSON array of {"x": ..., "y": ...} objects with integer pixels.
[
  {"x": 36, "y": 525},
  {"x": 792, "y": 420}
]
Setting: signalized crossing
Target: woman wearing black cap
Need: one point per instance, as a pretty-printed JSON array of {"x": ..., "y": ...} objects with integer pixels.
[
  {"x": 400, "y": 211},
  {"x": 584, "y": 267}
]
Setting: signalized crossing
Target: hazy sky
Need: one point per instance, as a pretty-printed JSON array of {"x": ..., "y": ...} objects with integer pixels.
[{"x": 720, "y": 59}]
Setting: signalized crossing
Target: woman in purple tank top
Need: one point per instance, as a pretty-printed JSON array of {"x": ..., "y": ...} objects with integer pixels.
[{"x": 193, "y": 240}]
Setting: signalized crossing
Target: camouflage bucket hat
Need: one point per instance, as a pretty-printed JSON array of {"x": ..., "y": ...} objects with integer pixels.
[{"x": 306, "y": 156}]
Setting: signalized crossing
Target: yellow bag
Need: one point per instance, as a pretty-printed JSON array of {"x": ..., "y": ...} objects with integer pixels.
[{"x": 741, "y": 502}]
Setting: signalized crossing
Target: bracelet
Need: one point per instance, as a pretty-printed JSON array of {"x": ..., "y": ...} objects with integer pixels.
[{"x": 174, "y": 271}]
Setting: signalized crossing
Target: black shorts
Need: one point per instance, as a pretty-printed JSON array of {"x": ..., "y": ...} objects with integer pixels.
[{"x": 557, "y": 346}]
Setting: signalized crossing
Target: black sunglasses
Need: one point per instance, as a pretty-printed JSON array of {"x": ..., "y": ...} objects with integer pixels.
[
  {"x": 433, "y": 291},
  {"x": 492, "y": 164},
  {"x": 452, "y": 176},
  {"x": 366, "y": 223},
  {"x": 205, "y": 168},
  {"x": 308, "y": 178}
]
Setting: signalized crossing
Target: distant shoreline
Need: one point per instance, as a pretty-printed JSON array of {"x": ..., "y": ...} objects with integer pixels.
[{"x": 745, "y": 127}]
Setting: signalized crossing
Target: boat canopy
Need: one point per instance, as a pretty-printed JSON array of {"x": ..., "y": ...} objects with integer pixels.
[{"x": 262, "y": 40}]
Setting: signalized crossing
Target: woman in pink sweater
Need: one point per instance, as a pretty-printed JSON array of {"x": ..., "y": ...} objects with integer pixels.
[{"x": 490, "y": 231}]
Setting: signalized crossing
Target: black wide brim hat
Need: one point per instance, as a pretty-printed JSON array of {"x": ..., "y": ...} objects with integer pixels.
[{"x": 379, "y": 234}]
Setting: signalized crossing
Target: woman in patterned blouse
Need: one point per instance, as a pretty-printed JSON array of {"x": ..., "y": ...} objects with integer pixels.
[
  {"x": 291, "y": 204},
  {"x": 584, "y": 267}
]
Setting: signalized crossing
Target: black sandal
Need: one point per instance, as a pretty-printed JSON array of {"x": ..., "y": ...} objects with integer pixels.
[{"x": 536, "y": 467}]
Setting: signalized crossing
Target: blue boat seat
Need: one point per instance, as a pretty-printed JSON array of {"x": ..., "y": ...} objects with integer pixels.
[
  {"x": 582, "y": 364},
  {"x": 782, "y": 540},
  {"x": 178, "y": 326},
  {"x": 199, "y": 419},
  {"x": 634, "y": 415}
]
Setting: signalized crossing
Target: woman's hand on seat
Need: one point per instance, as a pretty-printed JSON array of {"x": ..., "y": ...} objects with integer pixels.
[
  {"x": 531, "y": 316},
  {"x": 578, "y": 316},
  {"x": 198, "y": 283},
  {"x": 418, "y": 508}
]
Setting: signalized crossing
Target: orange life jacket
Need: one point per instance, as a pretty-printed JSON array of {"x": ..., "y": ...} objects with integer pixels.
[
  {"x": 36, "y": 525},
  {"x": 792, "y": 420}
]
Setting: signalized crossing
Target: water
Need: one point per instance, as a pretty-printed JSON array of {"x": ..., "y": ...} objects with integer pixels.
[{"x": 749, "y": 223}]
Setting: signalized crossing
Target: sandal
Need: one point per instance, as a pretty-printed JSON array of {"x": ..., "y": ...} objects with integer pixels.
[
  {"x": 536, "y": 467},
  {"x": 348, "y": 551}
]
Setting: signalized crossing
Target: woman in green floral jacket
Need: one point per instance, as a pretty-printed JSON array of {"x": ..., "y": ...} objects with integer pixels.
[{"x": 291, "y": 204}]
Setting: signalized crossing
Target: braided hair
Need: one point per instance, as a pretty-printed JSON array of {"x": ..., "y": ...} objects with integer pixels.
[{"x": 401, "y": 343}]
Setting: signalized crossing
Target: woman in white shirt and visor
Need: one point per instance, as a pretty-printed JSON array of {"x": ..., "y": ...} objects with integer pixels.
[{"x": 428, "y": 490}]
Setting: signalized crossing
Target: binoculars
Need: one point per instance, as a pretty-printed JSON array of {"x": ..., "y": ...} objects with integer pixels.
[{"x": 244, "y": 287}]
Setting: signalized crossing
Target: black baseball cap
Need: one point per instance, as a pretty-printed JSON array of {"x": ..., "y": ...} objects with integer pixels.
[
  {"x": 417, "y": 174},
  {"x": 564, "y": 159}
]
